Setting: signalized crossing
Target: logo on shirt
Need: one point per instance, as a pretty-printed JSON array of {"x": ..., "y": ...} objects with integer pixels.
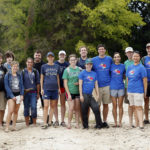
[
  {"x": 131, "y": 72},
  {"x": 103, "y": 66},
  {"x": 90, "y": 78},
  {"x": 148, "y": 63},
  {"x": 117, "y": 71}
]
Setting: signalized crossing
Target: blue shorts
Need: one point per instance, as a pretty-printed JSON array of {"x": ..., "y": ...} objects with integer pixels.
[
  {"x": 117, "y": 93},
  {"x": 50, "y": 95}
]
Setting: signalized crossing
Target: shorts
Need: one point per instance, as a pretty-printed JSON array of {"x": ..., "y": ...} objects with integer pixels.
[
  {"x": 117, "y": 93},
  {"x": 50, "y": 95},
  {"x": 62, "y": 90},
  {"x": 148, "y": 89},
  {"x": 136, "y": 99},
  {"x": 104, "y": 95},
  {"x": 15, "y": 94},
  {"x": 73, "y": 96},
  {"x": 126, "y": 100},
  {"x": 3, "y": 101}
]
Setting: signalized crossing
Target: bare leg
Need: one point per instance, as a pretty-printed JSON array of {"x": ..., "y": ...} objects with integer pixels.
[
  {"x": 146, "y": 108},
  {"x": 27, "y": 121},
  {"x": 140, "y": 115},
  {"x": 34, "y": 121},
  {"x": 130, "y": 112},
  {"x": 53, "y": 105},
  {"x": 56, "y": 111},
  {"x": 77, "y": 111},
  {"x": 105, "y": 112},
  {"x": 1, "y": 117},
  {"x": 136, "y": 116},
  {"x": 45, "y": 113},
  {"x": 70, "y": 113},
  {"x": 63, "y": 107},
  {"x": 114, "y": 110},
  {"x": 120, "y": 103}
]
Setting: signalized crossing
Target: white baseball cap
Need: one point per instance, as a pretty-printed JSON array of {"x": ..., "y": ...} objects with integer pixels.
[
  {"x": 62, "y": 52},
  {"x": 147, "y": 45},
  {"x": 129, "y": 49}
]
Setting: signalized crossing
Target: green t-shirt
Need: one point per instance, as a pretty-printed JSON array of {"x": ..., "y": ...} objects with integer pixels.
[
  {"x": 127, "y": 63},
  {"x": 71, "y": 75}
]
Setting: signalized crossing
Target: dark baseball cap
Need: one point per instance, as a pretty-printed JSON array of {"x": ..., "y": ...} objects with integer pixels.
[{"x": 50, "y": 53}]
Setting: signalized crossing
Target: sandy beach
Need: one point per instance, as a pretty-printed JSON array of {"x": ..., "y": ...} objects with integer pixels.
[{"x": 35, "y": 138}]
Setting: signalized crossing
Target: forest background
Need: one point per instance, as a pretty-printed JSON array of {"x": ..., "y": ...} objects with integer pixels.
[{"x": 53, "y": 25}]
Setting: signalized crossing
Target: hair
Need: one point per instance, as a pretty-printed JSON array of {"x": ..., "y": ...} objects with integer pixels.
[
  {"x": 38, "y": 51},
  {"x": 72, "y": 55},
  {"x": 14, "y": 63},
  {"x": 1, "y": 55},
  {"x": 101, "y": 45},
  {"x": 116, "y": 53},
  {"x": 137, "y": 52},
  {"x": 9, "y": 54},
  {"x": 83, "y": 47},
  {"x": 29, "y": 58}
]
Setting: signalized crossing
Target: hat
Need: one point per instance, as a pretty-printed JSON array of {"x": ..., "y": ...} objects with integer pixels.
[
  {"x": 50, "y": 53},
  {"x": 147, "y": 45},
  {"x": 62, "y": 52},
  {"x": 129, "y": 49},
  {"x": 88, "y": 61}
]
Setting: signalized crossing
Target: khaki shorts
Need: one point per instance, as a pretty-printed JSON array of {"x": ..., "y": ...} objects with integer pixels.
[
  {"x": 2, "y": 101},
  {"x": 136, "y": 99},
  {"x": 104, "y": 95}
]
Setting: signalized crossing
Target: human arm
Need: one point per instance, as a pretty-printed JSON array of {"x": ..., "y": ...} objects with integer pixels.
[
  {"x": 145, "y": 86},
  {"x": 80, "y": 90}
]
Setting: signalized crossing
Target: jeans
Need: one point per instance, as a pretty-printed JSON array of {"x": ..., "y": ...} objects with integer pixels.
[
  {"x": 89, "y": 101},
  {"x": 30, "y": 100}
]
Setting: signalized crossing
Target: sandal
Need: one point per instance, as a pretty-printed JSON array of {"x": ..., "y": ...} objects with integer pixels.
[
  {"x": 63, "y": 124},
  {"x": 44, "y": 126},
  {"x": 50, "y": 124},
  {"x": 56, "y": 124}
]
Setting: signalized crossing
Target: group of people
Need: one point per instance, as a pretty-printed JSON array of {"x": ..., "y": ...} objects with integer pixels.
[{"x": 83, "y": 82}]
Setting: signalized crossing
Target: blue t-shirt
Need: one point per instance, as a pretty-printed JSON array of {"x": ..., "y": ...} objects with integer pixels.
[
  {"x": 117, "y": 72},
  {"x": 62, "y": 67},
  {"x": 89, "y": 79},
  {"x": 147, "y": 66},
  {"x": 135, "y": 75},
  {"x": 81, "y": 63},
  {"x": 30, "y": 79},
  {"x": 50, "y": 73},
  {"x": 102, "y": 68}
]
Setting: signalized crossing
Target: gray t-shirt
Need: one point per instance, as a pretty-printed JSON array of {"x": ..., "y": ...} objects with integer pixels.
[{"x": 15, "y": 84}]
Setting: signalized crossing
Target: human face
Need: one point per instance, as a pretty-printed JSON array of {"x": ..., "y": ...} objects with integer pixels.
[
  {"x": 37, "y": 57},
  {"x": 9, "y": 60},
  {"x": 50, "y": 59},
  {"x": 148, "y": 50},
  {"x": 73, "y": 61},
  {"x": 88, "y": 66},
  {"x": 129, "y": 55},
  {"x": 1, "y": 60},
  {"x": 62, "y": 57},
  {"x": 29, "y": 63},
  {"x": 117, "y": 58},
  {"x": 14, "y": 68},
  {"x": 83, "y": 52},
  {"x": 101, "y": 51},
  {"x": 136, "y": 58}
]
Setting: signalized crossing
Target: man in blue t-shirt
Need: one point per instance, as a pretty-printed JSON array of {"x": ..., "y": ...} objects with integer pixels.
[
  {"x": 146, "y": 62},
  {"x": 87, "y": 82},
  {"x": 102, "y": 65}
]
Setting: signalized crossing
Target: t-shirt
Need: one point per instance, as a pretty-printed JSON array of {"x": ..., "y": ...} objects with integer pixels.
[
  {"x": 3, "y": 71},
  {"x": 30, "y": 79},
  {"x": 15, "y": 84},
  {"x": 135, "y": 75},
  {"x": 38, "y": 66},
  {"x": 71, "y": 75},
  {"x": 127, "y": 63},
  {"x": 62, "y": 67},
  {"x": 81, "y": 63},
  {"x": 102, "y": 68},
  {"x": 88, "y": 79},
  {"x": 117, "y": 72},
  {"x": 50, "y": 73},
  {"x": 147, "y": 66}
]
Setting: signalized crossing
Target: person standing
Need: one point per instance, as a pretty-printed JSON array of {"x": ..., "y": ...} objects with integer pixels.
[
  {"x": 31, "y": 82},
  {"x": 63, "y": 65},
  {"x": 3, "y": 71},
  {"x": 117, "y": 87},
  {"x": 50, "y": 87},
  {"x": 102, "y": 65},
  {"x": 137, "y": 87},
  {"x": 14, "y": 90},
  {"x": 87, "y": 82},
  {"x": 146, "y": 62}
]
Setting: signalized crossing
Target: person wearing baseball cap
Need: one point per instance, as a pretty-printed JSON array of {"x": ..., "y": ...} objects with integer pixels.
[
  {"x": 50, "y": 87},
  {"x": 63, "y": 65},
  {"x": 146, "y": 62},
  {"x": 87, "y": 82},
  {"x": 129, "y": 53}
]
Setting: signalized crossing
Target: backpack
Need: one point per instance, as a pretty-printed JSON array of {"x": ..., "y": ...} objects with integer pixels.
[{"x": 143, "y": 60}]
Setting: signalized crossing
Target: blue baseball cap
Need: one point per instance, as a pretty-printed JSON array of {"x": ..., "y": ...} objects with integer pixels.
[
  {"x": 50, "y": 53},
  {"x": 88, "y": 61}
]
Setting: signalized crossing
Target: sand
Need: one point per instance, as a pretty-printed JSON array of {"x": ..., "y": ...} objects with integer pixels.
[{"x": 35, "y": 138}]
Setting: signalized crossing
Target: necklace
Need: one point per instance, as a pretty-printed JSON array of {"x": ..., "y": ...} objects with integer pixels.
[{"x": 30, "y": 77}]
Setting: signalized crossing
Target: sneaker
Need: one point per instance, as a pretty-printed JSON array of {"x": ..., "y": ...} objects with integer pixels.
[
  {"x": 56, "y": 124},
  {"x": 146, "y": 121},
  {"x": 63, "y": 124},
  {"x": 98, "y": 127},
  {"x": 105, "y": 125}
]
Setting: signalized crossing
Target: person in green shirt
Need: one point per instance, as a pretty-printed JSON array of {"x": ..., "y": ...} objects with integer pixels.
[
  {"x": 127, "y": 63},
  {"x": 71, "y": 85}
]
